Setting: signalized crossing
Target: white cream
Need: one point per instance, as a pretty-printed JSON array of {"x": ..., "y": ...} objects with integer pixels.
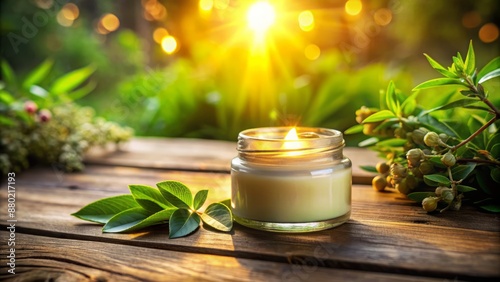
[{"x": 289, "y": 198}]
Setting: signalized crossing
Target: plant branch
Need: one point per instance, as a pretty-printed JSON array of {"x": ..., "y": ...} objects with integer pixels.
[
  {"x": 495, "y": 110},
  {"x": 478, "y": 161},
  {"x": 481, "y": 129}
]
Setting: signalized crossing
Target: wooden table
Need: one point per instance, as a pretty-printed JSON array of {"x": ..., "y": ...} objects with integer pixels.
[{"x": 387, "y": 238}]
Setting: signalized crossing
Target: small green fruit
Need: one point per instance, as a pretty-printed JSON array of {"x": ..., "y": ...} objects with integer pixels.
[
  {"x": 448, "y": 159},
  {"x": 379, "y": 183},
  {"x": 414, "y": 157},
  {"x": 430, "y": 204},
  {"x": 382, "y": 167},
  {"x": 418, "y": 135},
  {"x": 431, "y": 139}
]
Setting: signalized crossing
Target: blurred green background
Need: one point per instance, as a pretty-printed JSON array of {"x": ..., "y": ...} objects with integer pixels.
[{"x": 194, "y": 68}]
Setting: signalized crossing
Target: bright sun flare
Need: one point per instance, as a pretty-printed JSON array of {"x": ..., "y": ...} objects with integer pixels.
[{"x": 260, "y": 17}]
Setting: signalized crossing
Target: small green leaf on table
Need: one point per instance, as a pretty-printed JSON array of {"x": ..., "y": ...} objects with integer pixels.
[
  {"x": 218, "y": 216},
  {"x": 176, "y": 193},
  {"x": 183, "y": 222},
  {"x": 103, "y": 210},
  {"x": 135, "y": 219},
  {"x": 200, "y": 198}
]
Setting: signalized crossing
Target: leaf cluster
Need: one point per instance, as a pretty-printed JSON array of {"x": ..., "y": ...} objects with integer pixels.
[
  {"x": 400, "y": 125},
  {"x": 41, "y": 123},
  {"x": 171, "y": 202}
]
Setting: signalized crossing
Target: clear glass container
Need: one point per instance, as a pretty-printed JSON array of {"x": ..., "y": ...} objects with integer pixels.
[{"x": 300, "y": 184}]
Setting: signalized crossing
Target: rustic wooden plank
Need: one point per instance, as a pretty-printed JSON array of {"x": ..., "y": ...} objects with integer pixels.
[
  {"x": 197, "y": 154},
  {"x": 389, "y": 206},
  {"x": 383, "y": 234},
  {"x": 41, "y": 258}
]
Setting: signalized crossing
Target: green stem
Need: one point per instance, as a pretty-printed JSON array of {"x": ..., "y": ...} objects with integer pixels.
[
  {"x": 481, "y": 129},
  {"x": 479, "y": 161}
]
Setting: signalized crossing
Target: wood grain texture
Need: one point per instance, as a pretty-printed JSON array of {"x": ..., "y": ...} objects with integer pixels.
[
  {"x": 41, "y": 258},
  {"x": 199, "y": 155},
  {"x": 384, "y": 234}
]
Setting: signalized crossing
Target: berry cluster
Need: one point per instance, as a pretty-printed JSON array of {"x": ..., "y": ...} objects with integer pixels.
[{"x": 59, "y": 136}]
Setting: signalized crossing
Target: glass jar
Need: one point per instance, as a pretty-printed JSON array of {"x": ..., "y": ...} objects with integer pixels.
[{"x": 301, "y": 184}]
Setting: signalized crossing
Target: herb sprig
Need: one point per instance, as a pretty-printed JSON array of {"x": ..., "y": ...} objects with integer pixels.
[
  {"x": 172, "y": 202},
  {"x": 439, "y": 161}
]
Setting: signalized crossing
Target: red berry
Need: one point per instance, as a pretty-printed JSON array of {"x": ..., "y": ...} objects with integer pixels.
[
  {"x": 30, "y": 107},
  {"x": 45, "y": 115}
]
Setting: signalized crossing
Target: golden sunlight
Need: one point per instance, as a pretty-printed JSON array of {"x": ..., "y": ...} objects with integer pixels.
[
  {"x": 260, "y": 16},
  {"x": 292, "y": 135}
]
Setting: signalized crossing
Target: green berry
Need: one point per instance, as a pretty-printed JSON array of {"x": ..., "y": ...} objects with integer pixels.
[
  {"x": 430, "y": 203},
  {"x": 418, "y": 135},
  {"x": 382, "y": 167},
  {"x": 379, "y": 183},
  {"x": 431, "y": 139},
  {"x": 414, "y": 157},
  {"x": 448, "y": 159}
]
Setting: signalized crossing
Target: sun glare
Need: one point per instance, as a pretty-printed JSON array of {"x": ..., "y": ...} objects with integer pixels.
[{"x": 261, "y": 16}]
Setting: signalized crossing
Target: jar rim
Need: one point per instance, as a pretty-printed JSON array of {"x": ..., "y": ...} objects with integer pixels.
[{"x": 271, "y": 139}]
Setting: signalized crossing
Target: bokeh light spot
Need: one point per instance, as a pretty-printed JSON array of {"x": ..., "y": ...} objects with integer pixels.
[
  {"x": 169, "y": 44},
  {"x": 471, "y": 19},
  {"x": 306, "y": 20},
  {"x": 488, "y": 33},
  {"x": 382, "y": 16},
  {"x": 159, "y": 34},
  {"x": 110, "y": 22},
  {"x": 353, "y": 7},
  {"x": 312, "y": 52}
]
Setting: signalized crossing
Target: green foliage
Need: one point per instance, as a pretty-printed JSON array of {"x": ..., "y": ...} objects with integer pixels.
[
  {"x": 43, "y": 124},
  {"x": 171, "y": 203},
  {"x": 453, "y": 145},
  {"x": 194, "y": 99}
]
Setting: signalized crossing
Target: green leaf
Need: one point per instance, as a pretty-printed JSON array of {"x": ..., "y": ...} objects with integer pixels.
[
  {"x": 354, "y": 129},
  {"x": 368, "y": 142},
  {"x": 183, "y": 222},
  {"x": 8, "y": 74},
  {"x": 71, "y": 80},
  {"x": 218, "y": 216},
  {"x": 149, "y": 198},
  {"x": 409, "y": 105},
  {"x": 420, "y": 196},
  {"x": 79, "y": 93},
  {"x": 454, "y": 104},
  {"x": 439, "y": 82},
  {"x": 435, "y": 65},
  {"x": 135, "y": 219},
  {"x": 176, "y": 193},
  {"x": 495, "y": 151},
  {"x": 379, "y": 116},
  {"x": 465, "y": 188},
  {"x": 390, "y": 97},
  {"x": 437, "y": 178},
  {"x": 38, "y": 74},
  {"x": 493, "y": 65},
  {"x": 38, "y": 91},
  {"x": 7, "y": 99},
  {"x": 102, "y": 210},
  {"x": 470, "y": 60},
  {"x": 495, "y": 174},
  {"x": 490, "y": 75},
  {"x": 462, "y": 171},
  {"x": 368, "y": 168},
  {"x": 493, "y": 140},
  {"x": 491, "y": 207},
  {"x": 393, "y": 142},
  {"x": 200, "y": 198}
]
